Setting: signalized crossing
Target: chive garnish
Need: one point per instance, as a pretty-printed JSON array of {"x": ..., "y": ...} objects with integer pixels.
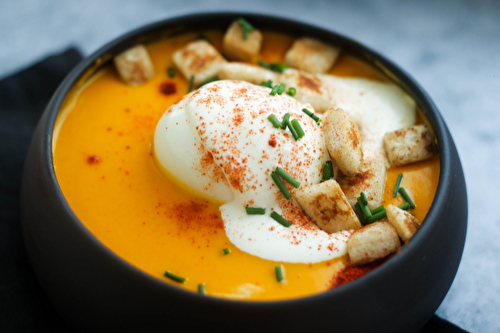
[
  {"x": 210, "y": 80},
  {"x": 327, "y": 171},
  {"x": 312, "y": 115},
  {"x": 201, "y": 288},
  {"x": 281, "y": 186},
  {"x": 283, "y": 174},
  {"x": 268, "y": 84},
  {"x": 280, "y": 273},
  {"x": 406, "y": 197},
  {"x": 278, "y": 218},
  {"x": 275, "y": 89},
  {"x": 396, "y": 188},
  {"x": 404, "y": 206},
  {"x": 174, "y": 277},
  {"x": 291, "y": 91},
  {"x": 226, "y": 251},
  {"x": 275, "y": 67},
  {"x": 285, "y": 120},
  {"x": 170, "y": 72},
  {"x": 376, "y": 217},
  {"x": 247, "y": 27},
  {"x": 276, "y": 123},
  {"x": 378, "y": 210},
  {"x": 298, "y": 128},
  {"x": 363, "y": 197},
  {"x": 281, "y": 88},
  {"x": 255, "y": 211},
  {"x": 191, "y": 84},
  {"x": 359, "y": 212},
  {"x": 294, "y": 132},
  {"x": 364, "y": 208}
]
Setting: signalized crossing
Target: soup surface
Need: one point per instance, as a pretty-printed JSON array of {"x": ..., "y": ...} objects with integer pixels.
[{"x": 106, "y": 169}]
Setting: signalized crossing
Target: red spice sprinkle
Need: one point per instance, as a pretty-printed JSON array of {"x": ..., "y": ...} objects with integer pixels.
[
  {"x": 272, "y": 141},
  {"x": 93, "y": 159},
  {"x": 168, "y": 88},
  {"x": 351, "y": 273}
]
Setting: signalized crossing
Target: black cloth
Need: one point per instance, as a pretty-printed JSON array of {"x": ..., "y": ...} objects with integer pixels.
[{"x": 23, "y": 96}]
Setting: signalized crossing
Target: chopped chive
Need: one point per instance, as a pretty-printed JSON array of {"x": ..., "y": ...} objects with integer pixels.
[
  {"x": 246, "y": 27},
  {"x": 327, "y": 171},
  {"x": 276, "y": 123},
  {"x": 312, "y": 115},
  {"x": 404, "y": 206},
  {"x": 170, "y": 72},
  {"x": 298, "y": 128},
  {"x": 255, "y": 211},
  {"x": 174, "y": 277},
  {"x": 210, "y": 80},
  {"x": 226, "y": 251},
  {"x": 201, "y": 36},
  {"x": 268, "y": 84},
  {"x": 359, "y": 212},
  {"x": 406, "y": 197},
  {"x": 285, "y": 120},
  {"x": 376, "y": 217},
  {"x": 275, "y": 67},
  {"x": 396, "y": 188},
  {"x": 364, "y": 208},
  {"x": 363, "y": 197},
  {"x": 280, "y": 273},
  {"x": 378, "y": 210},
  {"x": 281, "y": 186},
  {"x": 275, "y": 89},
  {"x": 291, "y": 91},
  {"x": 294, "y": 132},
  {"x": 282, "y": 173},
  {"x": 278, "y": 218},
  {"x": 281, "y": 88},
  {"x": 191, "y": 84},
  {"x": 201, "y": 289}
]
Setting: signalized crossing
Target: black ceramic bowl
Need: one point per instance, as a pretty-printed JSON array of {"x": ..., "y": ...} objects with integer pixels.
[{"x": 95, "y": 290}]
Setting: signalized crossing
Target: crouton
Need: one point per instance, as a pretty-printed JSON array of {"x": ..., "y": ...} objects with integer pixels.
[
  {"x": 311, "y": 55},
  {"x": 408, "y": 145},
  {"x": 199, "y": 58},
  {"x": 343, "y": 141},
  {"x": 405, "y": 224},
  {"x": 244, "y": 72},
  {"x": 310, "y": 89},
  {"x": 327, "y": 206},
  {"x": 239, "y": 49},
  {"x": 372, "y": 242},
  {"x": 134, "y": 65},
  {"x": 371, "y": 181}
]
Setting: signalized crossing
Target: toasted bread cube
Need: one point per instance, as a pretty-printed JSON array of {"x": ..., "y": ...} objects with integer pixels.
[
  {"x": 310, "y": 89},
  {"x": 199, "y": 58},
  {"x": 238, "y": 49},
  {"x": 371, "y": 181},
  {"x": 408, "y": 145},
  {"x": 134, "y": 65},
  {"x": 311, "y": 55},
  {"x": 343, "y": 141},
  {"x": 405, "y": 224},
  {"x": 327, "y": 206},
  {"x": 372, "y": 242},
  {"x": 245, "y": 72}
]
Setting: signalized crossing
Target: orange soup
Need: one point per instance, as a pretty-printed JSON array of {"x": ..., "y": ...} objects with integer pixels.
[{"x": 104, "y": 163}]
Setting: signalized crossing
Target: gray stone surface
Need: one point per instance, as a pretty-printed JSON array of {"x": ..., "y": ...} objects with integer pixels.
[{"x": 452, "y": 48}]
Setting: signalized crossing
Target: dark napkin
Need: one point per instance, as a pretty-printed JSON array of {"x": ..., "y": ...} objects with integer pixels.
[{"x": 23, "y": 96}]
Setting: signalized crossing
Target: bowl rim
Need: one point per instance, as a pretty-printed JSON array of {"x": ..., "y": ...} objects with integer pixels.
[{"x": 406, "y": 81}]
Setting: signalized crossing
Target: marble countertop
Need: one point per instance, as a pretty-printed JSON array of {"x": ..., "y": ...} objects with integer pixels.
[{"x": 451, "y": 48}]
